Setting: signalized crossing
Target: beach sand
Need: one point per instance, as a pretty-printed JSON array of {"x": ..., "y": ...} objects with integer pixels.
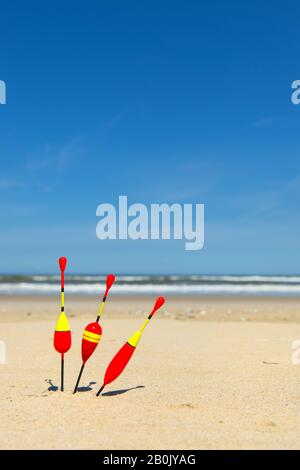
[{"x": 207, "y": 374}]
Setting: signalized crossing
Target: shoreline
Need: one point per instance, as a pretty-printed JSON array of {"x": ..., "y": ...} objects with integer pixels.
[{"x": 204, "y": 308}]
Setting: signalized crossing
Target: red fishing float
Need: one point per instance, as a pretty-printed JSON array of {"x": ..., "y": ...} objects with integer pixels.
[
  {"x": 121, "y": 359},
  {"x": 93, "y": 332},
  {"x": 62, "y": 336},
  {"x": 91, "y": 337}
]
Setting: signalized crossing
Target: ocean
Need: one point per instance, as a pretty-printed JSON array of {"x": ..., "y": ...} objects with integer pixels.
[{"x": 142, "y": 284}]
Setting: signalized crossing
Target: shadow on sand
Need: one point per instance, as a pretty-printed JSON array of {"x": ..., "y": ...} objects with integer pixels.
[
  {"x": 52, "y": 388},
  {"x": 88, "y": 388},
  {"x": 120, "y": 392}
]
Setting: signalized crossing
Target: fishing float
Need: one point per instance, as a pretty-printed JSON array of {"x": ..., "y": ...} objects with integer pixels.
[
  {"x": 121, "y": 359},
  {"x": 93, "y": 332},
  {"x": 62, "y": 336}
]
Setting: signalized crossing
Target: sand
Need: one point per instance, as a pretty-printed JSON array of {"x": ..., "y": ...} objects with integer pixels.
[{"x": 208, "y": 374}]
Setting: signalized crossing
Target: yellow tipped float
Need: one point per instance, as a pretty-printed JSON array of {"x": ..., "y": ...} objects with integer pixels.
[
  {"x": 62, "y": 335},
  {"x": 62, "y": 323},
  {"x": 135, "y": 338}
]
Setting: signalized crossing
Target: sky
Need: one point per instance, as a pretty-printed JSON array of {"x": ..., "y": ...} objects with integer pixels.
[{"x": 162, "y": 101}]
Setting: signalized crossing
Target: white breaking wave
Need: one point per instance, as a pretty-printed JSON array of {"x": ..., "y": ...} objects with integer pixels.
[
  {"x": 254, "y": 278},
  {"x": 29, "y": 288},
  {"x": 92, "y": 278}
]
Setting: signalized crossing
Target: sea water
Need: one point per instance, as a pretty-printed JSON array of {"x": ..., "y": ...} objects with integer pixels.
[{"x": 163, "y": 285}]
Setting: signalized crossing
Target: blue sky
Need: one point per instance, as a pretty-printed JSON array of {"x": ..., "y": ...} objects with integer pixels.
[{"x": 164, "y": 101}]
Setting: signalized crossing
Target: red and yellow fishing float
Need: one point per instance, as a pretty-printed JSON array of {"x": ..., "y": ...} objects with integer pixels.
[
  {"x": 62, "y": 336},
  {"x": 93, "y": 332},
  {"x": 121, "y": 359},
  {"x": 90, "y": 339}
]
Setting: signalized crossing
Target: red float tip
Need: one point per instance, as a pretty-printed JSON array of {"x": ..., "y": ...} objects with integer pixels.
[
  {"x": 109, "y": 281},
  {"x": 62, "y": 263},
  {"x": 159, "y": 303}
]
